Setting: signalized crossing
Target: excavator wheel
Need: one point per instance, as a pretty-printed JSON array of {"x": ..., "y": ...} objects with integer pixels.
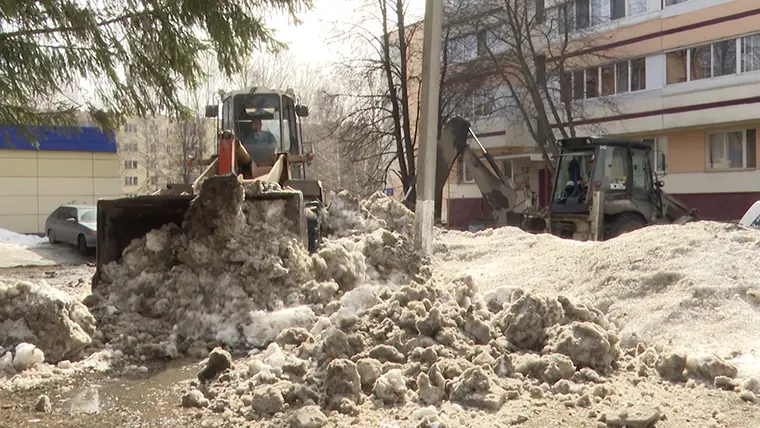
[{"x": 622, "y": 223}]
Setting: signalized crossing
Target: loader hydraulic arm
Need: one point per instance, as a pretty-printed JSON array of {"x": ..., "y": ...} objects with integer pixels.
[{"x": 498, "y": 190}]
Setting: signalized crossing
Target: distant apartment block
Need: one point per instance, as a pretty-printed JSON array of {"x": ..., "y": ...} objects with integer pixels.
[{"x": 155, "y": 151}]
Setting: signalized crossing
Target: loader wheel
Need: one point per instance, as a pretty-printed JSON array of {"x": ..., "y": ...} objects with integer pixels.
[
  {"x": 82, "y": 245},
  {"x": 51, "y": 236},
  {"x": 313, "y": 229},
  {"x": 622, "y": 223}
]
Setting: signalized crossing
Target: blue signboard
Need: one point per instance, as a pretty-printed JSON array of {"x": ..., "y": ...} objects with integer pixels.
[{"x": 82, "y": 139}]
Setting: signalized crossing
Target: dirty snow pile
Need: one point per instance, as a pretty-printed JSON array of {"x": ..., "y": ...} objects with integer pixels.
[
  {"x": 13, "y": 238},
  {"x": 43, "y": 331},
  {"x": 350, "y": 215},
  {"x": 440, "y": 348},
  {"x": 234, "y": 273},
  {"x": 693, "y": 288},
  {"x": 60, "y": 326},
  {"x": 428, "y": 344}
]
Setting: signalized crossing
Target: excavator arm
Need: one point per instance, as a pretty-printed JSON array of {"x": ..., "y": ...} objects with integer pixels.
[{"x": 497, "y": 189}]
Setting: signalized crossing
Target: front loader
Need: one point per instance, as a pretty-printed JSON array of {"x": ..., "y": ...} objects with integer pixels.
[{"x": 122, "y": 220}]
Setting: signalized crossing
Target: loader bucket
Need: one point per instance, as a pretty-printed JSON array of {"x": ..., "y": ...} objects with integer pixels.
[{"x": 120, "y": 221}]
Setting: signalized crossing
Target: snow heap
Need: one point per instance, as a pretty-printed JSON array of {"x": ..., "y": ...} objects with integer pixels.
[
  {"x": 441, "y": 346},
  {"x": 694, "y": 287},
  {"x": 430, "y": 344},
  {"x": 60, "y": 326},
  {"x": 13, "y": 238},
  {"x": 235, "y": 274},
  {"x": 348, "y": 215}
]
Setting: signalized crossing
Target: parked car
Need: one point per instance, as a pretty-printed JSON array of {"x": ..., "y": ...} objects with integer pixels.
[
  {"x": 752, "y": 217},
  {"x": 75, "y": 225}
]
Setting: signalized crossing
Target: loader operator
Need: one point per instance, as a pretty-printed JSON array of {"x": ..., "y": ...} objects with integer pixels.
[{"x": 260, "y": 144}]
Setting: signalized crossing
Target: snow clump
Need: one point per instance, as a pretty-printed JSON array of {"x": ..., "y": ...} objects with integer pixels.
[{"x": 60, "y": 326}]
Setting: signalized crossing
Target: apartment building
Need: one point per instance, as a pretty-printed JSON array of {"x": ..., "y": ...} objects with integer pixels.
[
  {"x": 155, "y": 151},
  {"x": 685, "y": 75}
]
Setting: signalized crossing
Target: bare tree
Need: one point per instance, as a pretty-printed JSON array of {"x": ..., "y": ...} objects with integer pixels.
[
  {"x": 535, "y": 53},
  {"x": 383, "y": 90},
  {"x": 190, "y": 139},
  {"x": 194, "y": 137}
]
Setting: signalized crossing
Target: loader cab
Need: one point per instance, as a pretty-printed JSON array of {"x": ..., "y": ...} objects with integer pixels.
[
  {"x": 279, "y": 114},
  {"x": 619, "y": 171}
]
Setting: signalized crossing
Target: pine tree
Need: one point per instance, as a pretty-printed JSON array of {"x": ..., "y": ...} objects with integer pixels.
[{"x": 141, "y": 54}]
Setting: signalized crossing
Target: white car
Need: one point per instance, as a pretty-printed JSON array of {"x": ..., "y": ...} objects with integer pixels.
[{"x": 752, "y": 217}]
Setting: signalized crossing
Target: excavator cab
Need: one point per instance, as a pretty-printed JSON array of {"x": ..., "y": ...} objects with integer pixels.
[
  {"x": 605, "y": 187},
  {"x": 120, "y": 221}
]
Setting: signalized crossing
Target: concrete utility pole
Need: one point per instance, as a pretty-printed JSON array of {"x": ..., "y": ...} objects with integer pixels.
[{"x": 431, "y": 79}]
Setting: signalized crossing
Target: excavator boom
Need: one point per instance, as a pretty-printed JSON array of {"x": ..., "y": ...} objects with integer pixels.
[{"x": 497, "y": 189}]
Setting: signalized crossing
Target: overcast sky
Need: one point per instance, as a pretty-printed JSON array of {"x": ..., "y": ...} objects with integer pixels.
[{"x": 307, "y": 40}]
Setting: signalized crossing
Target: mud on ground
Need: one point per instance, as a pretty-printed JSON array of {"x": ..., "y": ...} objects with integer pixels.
[{"x": 140, "y": 405}]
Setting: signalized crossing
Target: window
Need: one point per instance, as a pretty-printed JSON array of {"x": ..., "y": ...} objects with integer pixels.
[
  {"x": 540, "y": 11},
  {"x": 88, "y": 215},
  {"x": 638, "y": 74},
  {"x": 490, "y": 39},
  {"x": 592, "y": 82},
  {"x": 699, "y": 60},
  {"x": 127, "y": 147},
  {"x": 566, "y": 86},
  {"x": 714, "y": 60},
  {"x": 618, "y": 169},
  {"x": 621, "y": 78},
  {"x": 658, "y": 154},
  {"x": 675, "y": 66},
  {"x": 618, "y": 78},
  {"x": 540, "y": 64},
  {"x": 641, "y": 176},
  {"x": 751, "y": 53},
  {"x": 67, "y": 213},
  {"x": 130, "y": 164},
  {"x": 130, "y": 181},
  {"x": 486, "y": 101},
  {"x": 130, "y": 127},
  {"x": 608, "y": 80},
  {"x": 732, "y": 150},
  {"x": 622, "y": 8},
  {"x": 617, "y": 9},
  {"x": 724, "y": 58},
  {"x": 578, "y": 86},
  {"x": 465, "y": 176},
  {"x": 636, "y": 7},
  {"x": 289, "y": 126},
  {"x": 573, "y": 15},
  {"x": 461, "y": 49},
  {"x": 506, "y": 168},
  {"x": 672, "y": 2},
  {"x": 582, "y": 14}
]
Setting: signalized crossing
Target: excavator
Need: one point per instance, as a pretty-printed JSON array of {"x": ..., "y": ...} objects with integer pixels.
[
  {"x": 603, "y": 186},
  {"x": 119, "y": 221}
]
